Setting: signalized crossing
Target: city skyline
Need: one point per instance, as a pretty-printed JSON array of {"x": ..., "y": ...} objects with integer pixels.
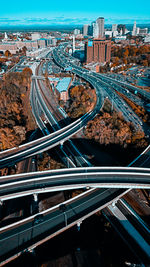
[{"x": 65, "y": 13}]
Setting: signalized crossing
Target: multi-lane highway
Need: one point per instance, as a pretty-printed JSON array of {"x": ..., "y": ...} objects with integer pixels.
[
  {"x": 107, "y": 86},
  {"x": 132, "y": 227},
  {"x": 9, "y": 157},
  {"x": 20, "y": 185},
  {"x": 143, "y": 93},
  {"x": 35, "y": 229}
]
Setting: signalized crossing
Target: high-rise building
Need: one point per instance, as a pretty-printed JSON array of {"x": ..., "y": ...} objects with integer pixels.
[
  {"x": 114, "y": 27},
  {"x": 134, "y": 32},
  {"x": 95, "y": 30},
  {"x": 6, "y": 36},
  {"x": 114, "y": 30},
  {"x": 76, "y": 31},
  {"x": 100, "y": 22},
  {"x": 137, "y": 31},
  {"x": 143, "y": 32},
  {"x": 73, "y": 45},
  {"x": 121, "y": 28},
  {"x": 85, "y": 30},
  {"x": 90, "y": 30},
  {"x": 98, "y": 50}
]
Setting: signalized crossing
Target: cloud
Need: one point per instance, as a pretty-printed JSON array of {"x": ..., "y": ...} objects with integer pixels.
[
  {"x": 63, "y": 20},
  {"x": 6, "y": 20}
]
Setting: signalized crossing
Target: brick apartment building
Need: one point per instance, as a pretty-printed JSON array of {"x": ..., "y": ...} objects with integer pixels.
[{"x": 98, "y": 50}]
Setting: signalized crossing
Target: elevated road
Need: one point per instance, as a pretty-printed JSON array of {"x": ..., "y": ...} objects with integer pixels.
[
  {"x": 10, "y": 156},
  {"x": 132, "y": 229},
  {"x": 132, "y": 88},
  {"x": 106, "y": 87},
  {"x": 34, "y": 230},
  {"x": 57, "y": 118},
  {"x": 20, "y": 185}
]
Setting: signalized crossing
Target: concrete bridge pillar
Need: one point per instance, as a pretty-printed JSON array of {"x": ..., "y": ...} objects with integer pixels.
[
  {"x": 34, "y": 204},
  {"x": 62, "y": 143},
  {"x": 78, "y": 225},
  {"x": 114, "y": 203},
  {"x": 1, "y": 209}
]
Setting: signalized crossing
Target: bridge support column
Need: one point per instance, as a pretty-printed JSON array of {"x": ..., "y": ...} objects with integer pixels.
[
  {"x": 34, "y": 204},
  {"x": 31, "y": 251},
  {"x": 114, "y": 203},
  {"x": 1, "y": 209},
  {"x": 35, "y": 197},
  {"x": 62, "y": 208},
  {"x": 78, "y": 225},
  {"x": 62, "y": 143},
  {"x": 79, "y": 234}
]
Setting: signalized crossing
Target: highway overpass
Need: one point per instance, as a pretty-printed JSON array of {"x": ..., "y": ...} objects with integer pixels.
[{"x": 20, "y": 185}]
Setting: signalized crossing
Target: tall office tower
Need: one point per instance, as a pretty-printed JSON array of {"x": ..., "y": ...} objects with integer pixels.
[
  {"x": 121, "y": 27},
  {"x": 6, "y": 36},
  {"x": 134, "y": 32},
  {"x": 143, "y": 32},
  {"x": 76, "y": 31},
  {"x": 85, "y": 30},
  {"x": 74, "y": 46},
  {"x": 98, "y": 50},
  {"x": 121, "y": 32},
  {"x": 100, "y": 22},
  {"x": 137, "y": 31},
  {"x": 95, "y": 30},
  {"x": 114, "y": 27},
  {"x": 114, "y": 30},
  {"x": 90, "y": 30}
]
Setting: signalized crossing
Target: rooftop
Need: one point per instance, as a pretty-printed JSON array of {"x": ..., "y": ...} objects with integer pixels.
[{"x": 63, "y": 84}]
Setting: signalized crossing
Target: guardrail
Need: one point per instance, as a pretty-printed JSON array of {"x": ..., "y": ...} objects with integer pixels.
[
  {"x": 20, "y": 185},
  {"x": 34, "y": 230}
]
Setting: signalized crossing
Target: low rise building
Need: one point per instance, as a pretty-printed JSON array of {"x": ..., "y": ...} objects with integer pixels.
[
  {"x": 119, "y": 38},
  {"x": 36, "y": 53},
  {"x": 31, "y": 45},
  {"x": 35, "y": 36},
  {"x": 62, "y": 88},
  {"x": 147, "y": 39},
  {"x": 11, "y": 46},
  {"x": 108, "y": 33}
]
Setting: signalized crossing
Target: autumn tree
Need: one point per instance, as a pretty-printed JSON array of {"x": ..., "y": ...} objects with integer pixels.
[
  {"x": 145, "y": 63},
  {"x": 27, "y": 72},
  {"x": 24, "y": 49},
  {"x": 125, "y": 61},
  {"x": 7, "y": 53},
  {"x": 126, "y": 53}
]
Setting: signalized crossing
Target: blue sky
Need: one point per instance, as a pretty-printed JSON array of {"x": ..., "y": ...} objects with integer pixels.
[{"x": 50, "y": 12}]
